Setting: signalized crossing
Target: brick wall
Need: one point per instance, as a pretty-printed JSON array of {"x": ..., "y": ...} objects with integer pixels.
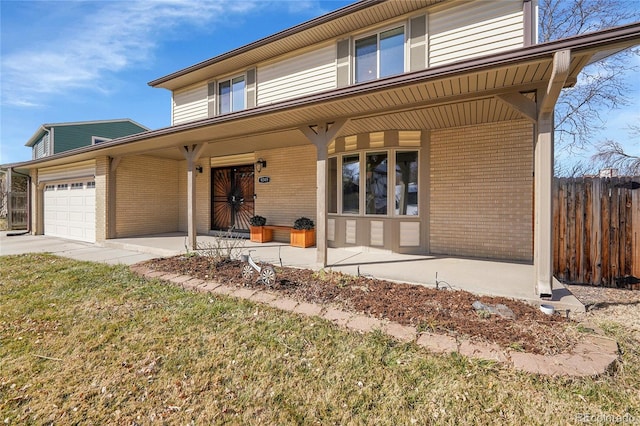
[
  {"x": 482, "y": 190},
  {"x": 203, "y": 197},
  {"x": 102, "y": 199},
  {"x": 146, "y": 196},
  {"x": 291, "y": 193}
]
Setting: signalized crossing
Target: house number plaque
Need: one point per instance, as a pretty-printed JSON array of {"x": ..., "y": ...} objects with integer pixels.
[{"x": 264, "y": 179}]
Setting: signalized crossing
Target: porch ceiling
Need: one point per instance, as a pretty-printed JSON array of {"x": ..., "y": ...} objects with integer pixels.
[{"x": 448, "y": 101}]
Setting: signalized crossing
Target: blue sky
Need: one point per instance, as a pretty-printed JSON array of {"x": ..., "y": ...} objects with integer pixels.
[{"x": 68, "y": 61}]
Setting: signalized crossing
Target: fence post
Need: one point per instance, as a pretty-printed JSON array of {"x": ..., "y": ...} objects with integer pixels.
[{"x": 635, "y": 232}]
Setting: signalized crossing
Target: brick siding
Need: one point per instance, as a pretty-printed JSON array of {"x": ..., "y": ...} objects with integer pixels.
[
  {"x": 102, "y": 199},
  {"x": 291, "y": 192},
  {"x": 146, "y": 196},
  {"x": 482, "y": 191}
]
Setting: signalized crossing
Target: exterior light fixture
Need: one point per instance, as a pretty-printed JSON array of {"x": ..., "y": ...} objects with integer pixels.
[{"x": 260, "y": 164}]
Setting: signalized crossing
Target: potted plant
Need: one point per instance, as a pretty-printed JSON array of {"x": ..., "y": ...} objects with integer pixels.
[
  {"x": 303, "y": 233},
  {"x": 257, "y": 231}
]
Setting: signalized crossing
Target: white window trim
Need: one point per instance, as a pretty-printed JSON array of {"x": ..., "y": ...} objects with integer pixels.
[
  {"x": 377, "y": 32},
  {"x": 100, "y": 138}
]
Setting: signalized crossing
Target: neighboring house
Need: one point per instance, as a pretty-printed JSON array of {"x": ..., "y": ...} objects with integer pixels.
[
  {"x": 67, "y": 211},
  {"x": 418, "y": 126},
  {"x": 55, "y": 138}
]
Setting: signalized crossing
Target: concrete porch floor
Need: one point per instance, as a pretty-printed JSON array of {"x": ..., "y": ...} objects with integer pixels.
[{"x": 482, "y": 277}]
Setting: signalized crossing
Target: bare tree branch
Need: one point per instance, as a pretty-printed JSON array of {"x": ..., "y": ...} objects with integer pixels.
[
  {"x": 573, "y": 170},
  {"x": 612, "y": 155},
  {"x": 582, "y": 110}
]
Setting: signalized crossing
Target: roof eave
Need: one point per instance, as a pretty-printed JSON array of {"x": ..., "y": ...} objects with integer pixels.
[
  {"x": 627, "y": 35},
  {"x": 37, "y": 135},
  {"x": 344, "y": 11}
]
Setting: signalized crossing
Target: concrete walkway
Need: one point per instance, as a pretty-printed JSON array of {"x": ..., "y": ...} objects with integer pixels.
[{"x": 482, "y": 277}]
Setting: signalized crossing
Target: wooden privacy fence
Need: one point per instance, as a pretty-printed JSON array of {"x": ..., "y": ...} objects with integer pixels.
[
  {"x": 18, "y": 210},
  {"x": 596, "y": 225}
]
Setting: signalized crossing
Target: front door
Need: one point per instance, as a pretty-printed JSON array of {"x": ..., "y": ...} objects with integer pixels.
[{"x": 232, "y": 197}]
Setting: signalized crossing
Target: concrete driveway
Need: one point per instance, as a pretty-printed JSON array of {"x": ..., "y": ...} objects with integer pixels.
[{"x": 20, "y": 244}]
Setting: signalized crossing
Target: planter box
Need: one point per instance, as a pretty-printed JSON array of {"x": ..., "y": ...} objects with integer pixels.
[
  {"x": 303, "y": 238},
  {"x": 259, "y": 234}
]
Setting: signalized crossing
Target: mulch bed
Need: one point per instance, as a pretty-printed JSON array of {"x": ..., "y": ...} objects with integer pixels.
[{"x": 439, "y": 311}]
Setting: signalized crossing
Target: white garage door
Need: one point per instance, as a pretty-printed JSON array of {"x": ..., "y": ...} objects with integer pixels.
[{"x": 70, "y": 210}]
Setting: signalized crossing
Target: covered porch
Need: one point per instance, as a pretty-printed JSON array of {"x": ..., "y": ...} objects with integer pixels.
[
  {"x": 474, "y": 128},
  {"x": 478, "y": 276}
]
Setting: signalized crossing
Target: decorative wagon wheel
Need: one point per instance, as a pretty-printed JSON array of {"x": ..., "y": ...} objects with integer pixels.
[{"x": 268, "y": 276}]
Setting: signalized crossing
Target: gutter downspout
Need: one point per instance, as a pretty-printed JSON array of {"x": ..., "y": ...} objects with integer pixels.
[{"x": 543, "y": 175}]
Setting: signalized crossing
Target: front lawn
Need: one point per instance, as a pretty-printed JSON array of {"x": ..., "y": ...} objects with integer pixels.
[{"x": 88, "y": 343}]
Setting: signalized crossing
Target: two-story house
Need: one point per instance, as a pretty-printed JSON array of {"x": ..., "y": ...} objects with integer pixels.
[{"x": 421, "y": 126}]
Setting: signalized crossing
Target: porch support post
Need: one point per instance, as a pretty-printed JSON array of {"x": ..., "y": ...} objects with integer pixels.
[
  {"x": 543, "y": 176},
  {"x": 9, "y": 202},
  {"x": 38, "y": 205},
  {"x": 191, "y": 154},
  {"x": 321, "y": 135}
]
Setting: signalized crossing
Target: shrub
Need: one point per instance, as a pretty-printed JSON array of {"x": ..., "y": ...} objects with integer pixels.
[
  {"x": 303, "y": 223},
  {"x": 222, "y": 248},
  {"x": 257, "y": 221}
]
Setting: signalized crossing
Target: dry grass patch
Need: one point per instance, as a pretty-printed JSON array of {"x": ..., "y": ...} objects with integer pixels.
[{"x": 88, "y": 343}]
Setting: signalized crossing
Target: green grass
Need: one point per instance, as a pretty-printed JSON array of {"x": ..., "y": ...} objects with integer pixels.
[{"x": 88, "y": 343}]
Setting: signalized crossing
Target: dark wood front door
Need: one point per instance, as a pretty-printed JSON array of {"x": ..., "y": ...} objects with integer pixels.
[{"x": 232, "y": 190}]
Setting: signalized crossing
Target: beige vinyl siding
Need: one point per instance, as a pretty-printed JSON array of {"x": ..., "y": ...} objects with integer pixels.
[
  {"x": 301, "y": 75},
  {"x": 190, "y": 104},
  {"x": 475, "y": 29},
  {"x": 85, "y": 169},
  {"x": 146, "y": 196},
  {"x": 481, "y": 191}
]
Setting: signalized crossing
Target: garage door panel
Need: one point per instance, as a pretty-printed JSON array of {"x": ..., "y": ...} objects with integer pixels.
[
  {"x": 61, "y": 230},
  {"x": 69, "y": 210},
  {"x": 76, "y": 232},
  {"x": 77, "y": 200}
]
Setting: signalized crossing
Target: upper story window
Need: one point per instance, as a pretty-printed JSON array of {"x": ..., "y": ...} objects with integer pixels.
[
  {"x": 379, "y": 55},
  {"x": 42, "y": 148},
  {"x": 232, "y": 95}
]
